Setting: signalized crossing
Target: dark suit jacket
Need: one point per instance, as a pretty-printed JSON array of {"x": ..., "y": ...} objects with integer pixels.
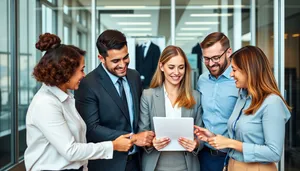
[
  {"x": 197, "y": 50},
  {"x": 146, "y": 66},
  {"x": 100, "y": 106}
]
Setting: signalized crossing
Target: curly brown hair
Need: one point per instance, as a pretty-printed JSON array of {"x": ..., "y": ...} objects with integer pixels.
[{"x": 59, "y": 63}]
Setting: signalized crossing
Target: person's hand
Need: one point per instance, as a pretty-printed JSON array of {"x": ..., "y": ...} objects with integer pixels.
[
  {"x": 202, "y": 133},
  {"x": 123, "y": 143},
  {"x": 219, "y": 142},
  {"x": 160, "y": 143},
  {"x": 189, "y": 145},
  {"x": 143, "y": 138}
]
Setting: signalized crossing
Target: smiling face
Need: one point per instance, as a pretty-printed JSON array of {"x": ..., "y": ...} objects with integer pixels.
[
  {"x": 117, "y": 61},
  {"x": 217, "y": 50},
  {"x": 239, "y": 76},
  {"x": 173, "y": 70},
  {"x": 79, "y": 74}
]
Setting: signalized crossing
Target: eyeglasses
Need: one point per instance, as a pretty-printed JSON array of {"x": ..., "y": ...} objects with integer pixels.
[{"x": 215, "y": 58}]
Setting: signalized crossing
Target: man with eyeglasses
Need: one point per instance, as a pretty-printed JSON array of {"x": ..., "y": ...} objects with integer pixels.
[{"x": 218, "y": 96}]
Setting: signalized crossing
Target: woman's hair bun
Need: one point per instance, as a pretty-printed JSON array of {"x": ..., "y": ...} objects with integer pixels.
[{"x": 47, "y": 41}]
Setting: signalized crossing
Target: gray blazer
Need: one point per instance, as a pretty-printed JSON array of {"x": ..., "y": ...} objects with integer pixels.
[{"x": 153, "y": 104}]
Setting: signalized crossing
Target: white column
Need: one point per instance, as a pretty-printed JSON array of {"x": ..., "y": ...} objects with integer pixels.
[
  {"x": 279, "y": 54},
  {"x": 173, "y": 15},
  {"x": 93, "y": 35},
  {"x": 237, "y": 25},
  {"x": 60, "y": 19},
  {"x": 253, "y": 22},
  {"x": 224, "y": 19},
  {"x": 281, "y": 66},
  {"x": 73, "y": 23},
  {"x": 276, "y": 39}
]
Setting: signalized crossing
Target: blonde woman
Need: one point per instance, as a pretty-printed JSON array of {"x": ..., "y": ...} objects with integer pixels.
[{"x": 170, "y": 95}]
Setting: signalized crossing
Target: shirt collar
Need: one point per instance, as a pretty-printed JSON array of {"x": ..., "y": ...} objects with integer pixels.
[
  {"x": 146, "y": 44},
  {"x": 244, "y": 94},
  {"x": 61, "y": 95},
  {"x": 226, "y": 73},
  {"x": 113, "y": 78}
]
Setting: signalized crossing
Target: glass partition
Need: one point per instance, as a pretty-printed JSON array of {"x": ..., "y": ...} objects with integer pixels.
[
  {"x": 292, "y": 83},
  {"x": 5, "y": 85},
  {"x": 142, "y": 22}
]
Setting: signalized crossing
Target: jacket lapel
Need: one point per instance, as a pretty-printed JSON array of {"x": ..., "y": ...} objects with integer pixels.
[
  {"x": 148, "y": 54},
  {"x": 159, "y": 102},
  {"x": 108, "y": 85},
  {"x": 185, "y": 112}
]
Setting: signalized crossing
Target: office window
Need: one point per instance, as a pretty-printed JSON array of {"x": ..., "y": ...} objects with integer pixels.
[
  {"x": 292, "y": 83},
  {"x": 5, "y": 85}
]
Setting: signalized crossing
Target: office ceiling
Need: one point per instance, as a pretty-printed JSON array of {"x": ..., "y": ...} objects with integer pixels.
[{"x": 154, "y": 17}]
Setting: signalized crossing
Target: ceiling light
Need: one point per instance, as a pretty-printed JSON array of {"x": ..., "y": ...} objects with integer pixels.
[
  {"x": 134, "y": 23},
  {"x": 185, "y": 38},
  {"x": 211, "y": 15},
  {"x": 189, "y": 34},
  {"x": 296, "y": 35},
  {"x": 201, "y": 23},
  {"x": 137, "y": 29},
  {"x": 124, "y": 7},
  {"x": 129, "y": 15},
  {"x": 139, "y": 34},
  {"x": 223, "y": 6},
  {"x": 195, "y": 29}
]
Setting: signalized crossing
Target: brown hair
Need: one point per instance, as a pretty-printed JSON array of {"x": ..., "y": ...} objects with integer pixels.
[
  {"x": 185, "y": 97},
  {"x": 213, "y": 38},
  {"x": 59, "y": 63},
  {"x": 261, "y": 81},
  {"x": 110, "y": 39}
]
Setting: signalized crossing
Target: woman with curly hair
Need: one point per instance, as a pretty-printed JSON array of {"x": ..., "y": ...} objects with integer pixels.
[{"x": 55, "y": 130}]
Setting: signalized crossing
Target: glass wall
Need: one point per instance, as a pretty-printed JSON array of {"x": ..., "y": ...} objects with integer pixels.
[
  {"x": 70, "y": 21},
  {"x": 292, "y": 83},
  {"x": 142, "y": 22},
  {"x": 5, "y": 88},
  {"x": 265, "y": 28}
]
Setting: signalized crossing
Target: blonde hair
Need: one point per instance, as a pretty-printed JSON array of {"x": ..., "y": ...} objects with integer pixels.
[
  {"x": 185, "y": 97},
  {"x": 261, "y": 81}
]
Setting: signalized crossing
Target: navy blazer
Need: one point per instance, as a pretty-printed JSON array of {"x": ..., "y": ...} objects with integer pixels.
[{"x": 146, "y": 66}]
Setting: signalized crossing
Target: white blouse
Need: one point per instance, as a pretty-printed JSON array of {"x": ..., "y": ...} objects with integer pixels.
[
  {"x": 172, "y": 112},
  {"x": 56, "y": 134}
]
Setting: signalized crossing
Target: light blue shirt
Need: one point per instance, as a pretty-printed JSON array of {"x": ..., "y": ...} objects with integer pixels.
[
  {"x": 262, "y": 133},
  {"x": 114, "y": 80},
  {"x": 218, "y": 97}
]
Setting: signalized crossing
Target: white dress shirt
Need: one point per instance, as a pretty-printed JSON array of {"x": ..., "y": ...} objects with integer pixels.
[
  {"x": 171, "y": 112},
  {"x": 147, "y": 45},
  {"x": 56, "y": 134}
]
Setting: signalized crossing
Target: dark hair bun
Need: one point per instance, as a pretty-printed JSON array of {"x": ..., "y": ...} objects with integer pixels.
[{"x": 47, "y": 41}]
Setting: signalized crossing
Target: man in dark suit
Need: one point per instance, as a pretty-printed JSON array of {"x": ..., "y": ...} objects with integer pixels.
[
  {"x": 147, "y": 56},
  {"x": 108, "y": 100},
  {"x": 197, "y": 50}
]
